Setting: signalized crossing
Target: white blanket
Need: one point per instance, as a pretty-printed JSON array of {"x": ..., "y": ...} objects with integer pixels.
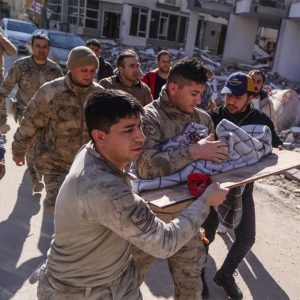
[{"x": 246, "y": 146}]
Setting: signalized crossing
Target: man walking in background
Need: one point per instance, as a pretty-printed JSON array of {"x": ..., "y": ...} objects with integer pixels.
[
  {"x": 29, "y": 74},
  {"x": 56, "y": 115},
  {"x": 105, "y": 68},
  {"x": 157, "y": 78},
  {"x": 127, "y": 78}
]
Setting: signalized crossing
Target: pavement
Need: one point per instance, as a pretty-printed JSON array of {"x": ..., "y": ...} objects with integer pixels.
[{"x": 270, "y": 271}]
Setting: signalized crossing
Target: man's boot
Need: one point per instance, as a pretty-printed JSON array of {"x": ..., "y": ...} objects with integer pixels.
[
  {"x": 205, "y": 290},
  {"x": 225, "y": 279}
]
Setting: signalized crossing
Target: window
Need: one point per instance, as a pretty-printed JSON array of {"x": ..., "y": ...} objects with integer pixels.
[
  {"x": 138, "y": 25},
  {"x": 182, "y": 29},
  {"x": 91, "y": 17},
  {"x": 164, "y": 26},
  {"x": 84, "y": 13},
  {"x": 56, "y": 9},
  {"x": 111, "y": 24}
]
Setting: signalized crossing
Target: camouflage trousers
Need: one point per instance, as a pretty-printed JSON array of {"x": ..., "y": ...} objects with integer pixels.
[
  {"x": 53, "y": 183},
  {"x": 125, "y": 287},
  {"x": 185, "y": 267}
]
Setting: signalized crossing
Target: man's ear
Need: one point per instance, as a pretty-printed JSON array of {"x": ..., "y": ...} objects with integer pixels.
[
  {"x": 172, "y": 88},
  {"x": 98, "y": 136}
]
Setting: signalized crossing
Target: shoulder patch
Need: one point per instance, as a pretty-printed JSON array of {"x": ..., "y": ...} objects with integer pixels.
[
  {"x": 149, "y": 129},
  {"x": 142, "y": 217}
]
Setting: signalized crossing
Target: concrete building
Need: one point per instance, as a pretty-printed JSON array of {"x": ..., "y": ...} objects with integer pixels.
[{"x": 230, "y": 28}]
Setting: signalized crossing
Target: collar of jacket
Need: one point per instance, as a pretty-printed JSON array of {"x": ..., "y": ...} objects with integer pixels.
[
  {"x": 35, "y": 64},
  {"x": 91, "y": 149},
  {"x": 70, "y": 85},
  {"x": 119, "y": 80},
  {"x": 172, "y": 111}
]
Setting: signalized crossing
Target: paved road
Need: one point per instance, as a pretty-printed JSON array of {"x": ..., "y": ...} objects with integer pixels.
[{"x": 269, "y": 272}]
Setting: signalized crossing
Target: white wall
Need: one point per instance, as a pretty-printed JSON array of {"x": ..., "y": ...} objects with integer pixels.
[
  {"x": 287, "y": 56},
  {"x": 127, "y": 39},
  {"x": 240, "y": 39}
]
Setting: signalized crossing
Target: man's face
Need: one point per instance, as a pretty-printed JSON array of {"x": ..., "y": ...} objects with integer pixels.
[
  {"x": 236, "y": 104},
  {"x": 125, "y": 141},
  {"x": 258, "y": 82},
  {"x": 83, "y": 76},
  {"x": 40, "y": 49},
  {"x": 129, "y": 69},
  {"x": 96, "y": 49},
  {"x": 187, "y": 97},
  {"x": 164, "y": 63}
]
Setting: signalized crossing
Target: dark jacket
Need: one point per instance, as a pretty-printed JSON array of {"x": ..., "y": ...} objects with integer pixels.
[
  {"x": 250, "y": 116},
  {"x": 105, "y": 69}
]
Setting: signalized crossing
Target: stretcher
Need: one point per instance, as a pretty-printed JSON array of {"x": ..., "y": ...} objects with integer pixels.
[{"x": 175, "y": 198}]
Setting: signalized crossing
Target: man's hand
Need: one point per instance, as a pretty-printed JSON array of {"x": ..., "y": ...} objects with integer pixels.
[
  {"x": 207, "y": 149},
  {"x": 2, "y": 169},
  {"x": 19, "y": 160},
  {"x": 214, "y": 194}
]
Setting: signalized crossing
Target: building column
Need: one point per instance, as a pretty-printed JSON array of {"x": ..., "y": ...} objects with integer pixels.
[
  {"x": 287, "y": 57},
  {"x": 191, "y": 34},
  {"x": 240, "y": 39}
]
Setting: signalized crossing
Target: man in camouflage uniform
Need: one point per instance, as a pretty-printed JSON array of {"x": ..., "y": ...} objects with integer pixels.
[
  {"x": 55, "y": 114},
  {"x": 127, "y": 78},
  {"x": 29, "y": 73},
  {"x": 98, "y": 217},
  {"x": 6, "y": 47},
  {"x": 164, "y": 119}
]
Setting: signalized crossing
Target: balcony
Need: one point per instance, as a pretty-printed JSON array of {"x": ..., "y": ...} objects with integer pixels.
[
  {"x": 169, "y": 4},
  {"x": 217, "y": 8},
  {"x": 294, "y": 13},
  {"x": 269, "y": 12}
]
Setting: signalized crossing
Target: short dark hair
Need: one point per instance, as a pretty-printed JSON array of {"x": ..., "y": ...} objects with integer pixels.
[
  {"x": 189, "y": 69},
  {"x": 257, "y": 72},
  {"x": 105, "y": 108},
  {"x": 124, "y": 54},
  {"x": 93, "y": 42},
  {"x": 163, "y": 52},
  {"x": 39, "y": 36}
]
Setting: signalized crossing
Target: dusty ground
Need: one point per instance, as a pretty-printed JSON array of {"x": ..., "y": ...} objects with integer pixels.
[{"x": 288, "y": 192}]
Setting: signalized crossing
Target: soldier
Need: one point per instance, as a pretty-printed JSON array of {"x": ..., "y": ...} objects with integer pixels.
[
  {"x": 97, "y": 216},
  {"x": 105, "y": 68},
  {"x": 6, "y": 47},
  {"x": 127, "y": 78},
  {"x": 29, "y": 73},
  {"x": 56, "y": 114},
  {"x": 164, "y": 119}
]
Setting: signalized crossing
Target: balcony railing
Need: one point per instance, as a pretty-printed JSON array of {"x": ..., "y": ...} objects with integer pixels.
[
  {"x": 170, "y": 2},
  {"x": 271, "y": 3}
]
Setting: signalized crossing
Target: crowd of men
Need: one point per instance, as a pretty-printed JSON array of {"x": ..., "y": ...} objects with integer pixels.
[{"x": 79, "y": 132}]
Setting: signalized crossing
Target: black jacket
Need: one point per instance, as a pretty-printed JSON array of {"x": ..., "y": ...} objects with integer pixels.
[
  {"x": 105, "y": 69},
  {"x": 250, "y": 116}
]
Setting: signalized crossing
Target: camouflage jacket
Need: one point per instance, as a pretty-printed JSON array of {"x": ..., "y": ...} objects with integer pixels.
[
  {"x": 29, "y": 76},
  {"x": 98, "y": 217},
  {"x": 6, "y": 47},
  {"x": 56, "y": 114},
  {"x": 161, "y": 122}
]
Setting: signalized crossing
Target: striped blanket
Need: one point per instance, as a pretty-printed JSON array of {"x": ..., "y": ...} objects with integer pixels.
[{"x": 246, "y": 146}]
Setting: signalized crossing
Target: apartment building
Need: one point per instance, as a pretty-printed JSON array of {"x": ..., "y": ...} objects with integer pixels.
[{"x": 227, "y": 27}]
